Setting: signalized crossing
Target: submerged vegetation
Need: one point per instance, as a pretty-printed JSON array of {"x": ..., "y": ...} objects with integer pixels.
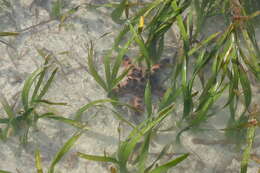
[{"x": 203, "y": 69}]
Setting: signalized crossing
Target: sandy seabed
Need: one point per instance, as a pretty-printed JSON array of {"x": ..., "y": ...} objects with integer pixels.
[{"x": 74, "y": 85}]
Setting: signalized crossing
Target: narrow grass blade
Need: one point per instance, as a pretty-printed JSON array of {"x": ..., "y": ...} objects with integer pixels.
[
  {"x": 67, "y": 14},
  {"x": 160, "y": 49},
  {"x": 96, "y": 102},
  {"x": 128, "y": 145},
  {"x": 135, "y": 19},
  {"x": 148, "y": 99},
  {"x": 187, "y": 92},
  {"x": 68, "y": 121},
  {"x": 24, "y": 138},
  {"x": 47, "y": 85},
  {"x": 26, "y": 114},
  {"x": 161, "y": 116},
  {"x": 46, "y": 55},
  {"x": 6, "y": 106},
  {"x": 27, "y": 86},
  {"x": 255, "y": 14},
  {"x": 187, "y": 99},
  {"x": 89, "y": 105},
  {"x": 142, "y": 158},
  {"x": 111, "y": 76},
  {"x": 162, "y": 22},
  {"x": 250, "y": 64},
  {"x": 236, "y": 129},
  {"x": 159, "y": 18},
  {"x": 234, "y": 80},
  {"x": 107, "y": 64},
  {"x": 247, "y": 151},
  {"x": 120, "y": 57},
  {"x": 121, "y": 118},
  {"x": 2, "y": 34},
  {"x": 117, "y": 13},
  {"x": 188, "y": 102},
  {"x": 149, "y": 123},
  {"x": 2, "y": 171},
  {"x": 148, "y": 9},
  {"x": 97, "y": 158},
  {"x": 56, "y": 9},
  {"x": 66, "y": 147},
  {"x": 4, "y": 120},
  {"x": 104, "y": 35},
  {"x": 121, "y": 76},
  {"x": 245, "y": 85},
  {"x": 51, "y": 103},
  {"x": 92, "y": 69},
  {"x": 206, "y": 103},
  {"x": 38, "y": 162},
  {"x": 7, "y": 131},
  {"x": 141, "y": 45},
  {"x": 120, "y": 36},
  {"x": 39, "y": 82},
  {"x": 161, "y": 154},
  {"x": 165, "y": 99},
  {"x": 200, "y": 63},
  {"x": 165, "y": 167},
  {"x": 169, "y": 96},
  {"x": 233, "y": 87},
  {"x": 203, "y": 43},
  {"x": 181, "y": 25}
]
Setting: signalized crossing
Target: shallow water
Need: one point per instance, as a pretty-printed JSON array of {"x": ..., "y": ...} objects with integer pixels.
[{"x": 210, "y": 152}]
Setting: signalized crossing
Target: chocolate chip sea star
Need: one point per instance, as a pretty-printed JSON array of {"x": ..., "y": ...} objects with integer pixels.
[{"x": 135, "y": 82}]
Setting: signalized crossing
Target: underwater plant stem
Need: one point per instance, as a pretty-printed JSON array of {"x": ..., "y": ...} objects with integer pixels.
[
  {"x": 246, "y": 154},
  {"x": 122, "y": 169}
]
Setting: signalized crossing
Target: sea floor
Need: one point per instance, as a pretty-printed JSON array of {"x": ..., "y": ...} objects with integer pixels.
[{"x": 209, "y": 151}]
